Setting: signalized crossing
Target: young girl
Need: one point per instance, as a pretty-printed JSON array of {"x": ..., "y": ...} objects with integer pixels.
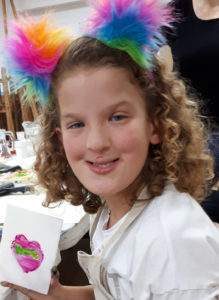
[{"x": 121, "y": 137}]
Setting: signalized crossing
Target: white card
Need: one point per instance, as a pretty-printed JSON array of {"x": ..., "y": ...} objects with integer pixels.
[{"x": 28, "y": 248}]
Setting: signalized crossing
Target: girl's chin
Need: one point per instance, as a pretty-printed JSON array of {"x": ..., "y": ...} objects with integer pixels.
[
  {"x": 103, "y": 192},
  {"x": 107, "y": 187},
  {"x": 107, "y": 192}
]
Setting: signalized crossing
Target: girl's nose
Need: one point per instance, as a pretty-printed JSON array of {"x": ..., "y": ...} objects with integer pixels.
[{"x": 98, "y": 139}]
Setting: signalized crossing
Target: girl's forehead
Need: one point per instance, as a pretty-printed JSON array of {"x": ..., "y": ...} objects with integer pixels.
[
  {"x": 98, "y": 88},
  {"x": 96, "y": 79},
  {"x": 89, "y": 70}
]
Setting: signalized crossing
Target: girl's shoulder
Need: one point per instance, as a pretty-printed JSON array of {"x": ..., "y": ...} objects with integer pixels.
[
  {"x": 178, "y": 212},
  {"x": 177, "y": 223},
  {"x": 176, "y": 237},
  {"x": 174, "y": 212},
  {"x": 172, "y": 217}
]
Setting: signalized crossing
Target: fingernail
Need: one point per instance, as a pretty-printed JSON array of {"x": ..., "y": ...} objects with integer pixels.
[{"x": 55, "y": 272}]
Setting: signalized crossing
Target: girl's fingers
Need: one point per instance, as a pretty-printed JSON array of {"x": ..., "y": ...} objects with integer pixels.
[
  {"x": 54, "y": 286},
  {"x": 54, "y": 282},
  {"x": 29, "y": 293}
]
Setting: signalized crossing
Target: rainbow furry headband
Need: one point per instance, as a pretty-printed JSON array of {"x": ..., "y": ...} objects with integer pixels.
[
  {"x": 34, "y": 48},
  {"x": 32, "y": 52},
  {"x": 133, "y": 26}
]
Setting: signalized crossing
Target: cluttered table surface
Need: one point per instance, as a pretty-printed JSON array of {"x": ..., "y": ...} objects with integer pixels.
[
  {"x": 75, "y": 221},
  {"x": 29, "y": 200}
]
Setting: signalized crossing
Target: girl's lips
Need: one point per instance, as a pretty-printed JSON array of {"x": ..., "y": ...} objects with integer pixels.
[{"x": 103, "y": 167}]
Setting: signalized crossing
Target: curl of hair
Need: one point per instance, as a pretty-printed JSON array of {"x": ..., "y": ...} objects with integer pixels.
[{"x": 180, "y": 158}]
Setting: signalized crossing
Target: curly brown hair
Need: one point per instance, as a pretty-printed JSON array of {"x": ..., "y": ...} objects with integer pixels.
[{"x": 180, "y": 158}]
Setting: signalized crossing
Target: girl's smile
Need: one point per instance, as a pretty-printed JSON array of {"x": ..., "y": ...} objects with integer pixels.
[
  {"x": 105, "y": 130},
  {"x": 104, "y": 166}
]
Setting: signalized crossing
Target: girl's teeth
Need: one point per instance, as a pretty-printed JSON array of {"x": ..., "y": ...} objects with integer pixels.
[{"x": 102, "y": 165}]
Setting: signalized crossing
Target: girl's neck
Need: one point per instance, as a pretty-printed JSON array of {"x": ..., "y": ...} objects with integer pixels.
[
  {"x": 118, "y": 207},
  {"x": 206, "y": 9}
]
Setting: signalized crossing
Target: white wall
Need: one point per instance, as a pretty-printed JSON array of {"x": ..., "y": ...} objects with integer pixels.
[{"x": 65, "y": 12}]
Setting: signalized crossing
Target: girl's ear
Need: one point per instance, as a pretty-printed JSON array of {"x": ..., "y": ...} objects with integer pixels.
[
  {"x": 155, "y": 137},
  {"x": 59, "y": 134}
]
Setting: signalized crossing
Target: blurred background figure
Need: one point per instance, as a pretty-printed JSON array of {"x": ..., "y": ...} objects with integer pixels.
[{"x": 195, "y": 47}]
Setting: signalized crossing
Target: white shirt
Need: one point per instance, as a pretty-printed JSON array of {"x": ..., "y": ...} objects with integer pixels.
[{"x": 170, "y": 252}]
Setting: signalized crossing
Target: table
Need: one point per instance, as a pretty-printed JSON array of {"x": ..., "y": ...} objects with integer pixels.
[{"x": 64, "y": 210}]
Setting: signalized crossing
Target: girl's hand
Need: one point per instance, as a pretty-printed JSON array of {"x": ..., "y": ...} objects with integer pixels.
[{"x": 55, "y": 291}]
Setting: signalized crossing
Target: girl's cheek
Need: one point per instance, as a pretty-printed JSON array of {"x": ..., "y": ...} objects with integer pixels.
[
  {"x": 72, "y": 149},
  {"x": 128, "y": 140}
]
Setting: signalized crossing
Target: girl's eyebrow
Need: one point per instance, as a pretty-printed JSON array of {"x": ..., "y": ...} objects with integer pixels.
[
  {"x": 116, "y": 105},
  {"x": 72, "y": 115}
]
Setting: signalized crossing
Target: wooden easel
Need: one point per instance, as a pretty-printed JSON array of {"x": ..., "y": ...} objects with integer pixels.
[
  {"x": 5, "y": 103},
  {"x": 28, "y": 112}
]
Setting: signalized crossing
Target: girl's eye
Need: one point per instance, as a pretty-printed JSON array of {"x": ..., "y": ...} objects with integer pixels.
[
  {"x": 117, "y": 118},
  {"x": 77, "y": 125}
]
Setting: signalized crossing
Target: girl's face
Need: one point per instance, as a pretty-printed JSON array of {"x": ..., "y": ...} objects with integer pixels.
[{"x": 105, "y": 130}]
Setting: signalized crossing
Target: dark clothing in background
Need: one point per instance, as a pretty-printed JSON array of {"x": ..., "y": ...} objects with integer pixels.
[{"x": 195, "y": 48}]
